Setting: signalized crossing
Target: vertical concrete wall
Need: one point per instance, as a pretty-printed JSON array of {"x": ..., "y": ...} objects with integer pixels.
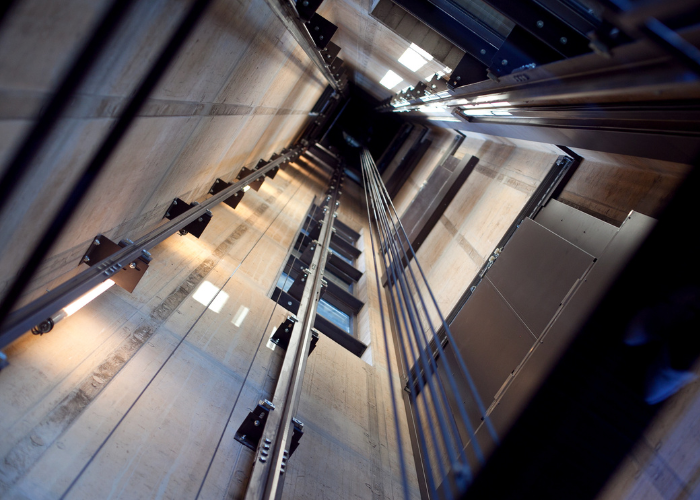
[{"x": 239, "y": 90}]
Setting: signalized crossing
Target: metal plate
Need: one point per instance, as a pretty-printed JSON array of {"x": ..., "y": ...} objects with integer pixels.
[
  {"x": 588, "y": 233},
  {"x": 580, "y": 306},
  {"x": 535, "y": 271},
  {"x": 330, "y": 52},
  {"x": 128, "y": 277},
  {"x": 231, "y": 201},
  {"x": 335, "y": 66},
  {"x": 492, "y": 341},
  {"x": 321, "y": 30},
  {"x": 245, "y": 172}
]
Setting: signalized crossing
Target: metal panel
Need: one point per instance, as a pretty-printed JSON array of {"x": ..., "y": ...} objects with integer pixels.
[
  {"x": 535, "y": 271},
  {"x": 588, "y": 233},
  {"x": 581, "y": 304},
  {"x": 492, "y": 340}
]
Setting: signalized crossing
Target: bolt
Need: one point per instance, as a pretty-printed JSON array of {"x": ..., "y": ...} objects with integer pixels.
[
  {"x": 267, "y": 441},
  {"x": 504, "y": 62},
  {"x": 563, "y": 40},
  {"x": 217, "y": 181},
  {"x": 321, "y": 38},
  {"x": 257, "y": 423},
  {"x": 454, "y": 83},
  {"x": 264, "y": 453},
  {"x": 174, "y": 202},
  {"x": 200, "y": 219},
  {"x": 86, "y": 258},
  {"x": 305, "y": 3},
  {"x": 167, "y": 214},
  {"x": 263, "y": 459},
  {"x": 289, "y": 303},
  {"x": 540, "y": 24},
  {"x": 266, "y": 446},
  {"x": 459, "y": 78},
  {"x": 132, "y": 265},
  {"x": 97, "y": 241},
  {"x": 211, "y": 191},
  {"x": 316, "y": 28},
  {"x": 483, "y": 51},
  {"x": 286, "y": 330},
  {"x": 434, "y": 86}
]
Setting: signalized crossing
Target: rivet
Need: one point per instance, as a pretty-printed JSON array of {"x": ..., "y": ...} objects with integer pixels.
[
  {"x": 540, "y": 24},
  {"x": 305, "y": 3},
  {"x": 257, "y": 423},
  {"x": 289, "y": 303},
  {"x": 200, "y": 219},
  {"x": 86, "y": 258},
  {"x": 316, "y": 28},
  {"x": 132, "y": 265},
  {"x": 459, "y": 78},
  {"x": 563, "y": 40},
  {"x": 321, "y": 38},
  {"x": 167, "y": 214},
  {"x": 483, "y": 51},
  {"x": 174, "y": 202},
  {"x": 217, "y": 181},
  {"x": 434, "y": 86},
  {"x": 504, "y": 62},
  {"x": 97, "y": 241}
]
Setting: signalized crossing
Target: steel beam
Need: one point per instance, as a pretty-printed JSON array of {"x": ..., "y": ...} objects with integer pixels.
[
  {"x": 287, "y": 13},
  {"x": 543, "y": 25},
  {"x": 23, "y": 319}
]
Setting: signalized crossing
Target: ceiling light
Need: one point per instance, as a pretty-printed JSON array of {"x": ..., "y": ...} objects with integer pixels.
[
  {"x": 391, "y": 80},
  {"x": 412, "y": 60}
]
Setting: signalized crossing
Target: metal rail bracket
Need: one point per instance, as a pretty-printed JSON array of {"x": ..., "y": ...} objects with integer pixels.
[
  {"x": 233, "y": 200},
  {"x": 245, "y": 172},
  {"x": 196, "y": 227},
  {"x": 321, "y": 30},
  {"x": 129, "y": 276}
]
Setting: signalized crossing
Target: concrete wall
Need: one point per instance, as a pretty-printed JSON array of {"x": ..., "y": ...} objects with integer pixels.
[
  {"x": 238, "y": 91},
  {"x": 135, "y": 390}
]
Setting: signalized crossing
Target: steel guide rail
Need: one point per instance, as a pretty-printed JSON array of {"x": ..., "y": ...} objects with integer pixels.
[
  {"x": 267, "y": 477},
  {"x": 20, "y": 321},
  {"x": 287, "y": 13}
]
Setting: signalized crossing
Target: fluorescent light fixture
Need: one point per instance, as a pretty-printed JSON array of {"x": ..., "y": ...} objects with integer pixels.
[
  {"x": 443, "y": 119},
  {"x": 390, "y": 80},
  {"x": 412, "y": 60},
  {"x": 209, "y": 295},
  {"x": 78, "y": 304}
]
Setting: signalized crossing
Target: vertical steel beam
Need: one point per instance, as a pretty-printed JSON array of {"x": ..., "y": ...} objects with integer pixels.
[{"x": 267, "y": 478}]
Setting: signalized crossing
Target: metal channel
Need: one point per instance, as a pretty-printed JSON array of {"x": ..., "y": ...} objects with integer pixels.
[
  {"x": 21, "y": 320},
  {"x": 267, "y": 478},
  {"x": 287, "y": 13}
]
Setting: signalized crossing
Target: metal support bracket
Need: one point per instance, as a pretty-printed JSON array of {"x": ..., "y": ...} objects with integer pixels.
[
  {"x": 197, "y": 226},
  {"x": 321, "y": 30},
  {"x": 233, "y": 200},
  {"x": 245, "y": 172},
  {"x": 129, "y": 276},
  {"x": 251, "y": 430}
]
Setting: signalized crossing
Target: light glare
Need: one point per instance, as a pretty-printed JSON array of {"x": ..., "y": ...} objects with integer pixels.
[
  {"x": 390, "y": 80},
  {"x": 412, "y": 60}
]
